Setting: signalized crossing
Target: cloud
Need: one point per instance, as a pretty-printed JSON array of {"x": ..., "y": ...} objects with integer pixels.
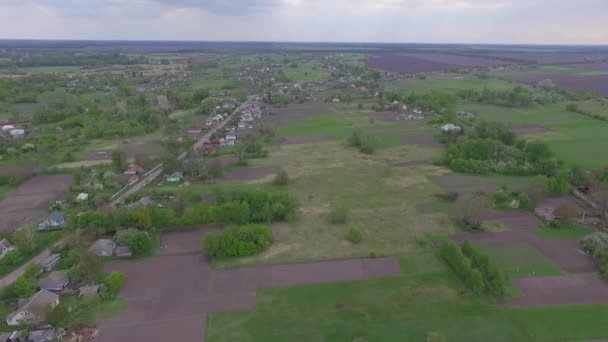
[{"x": 432, "y": 21}]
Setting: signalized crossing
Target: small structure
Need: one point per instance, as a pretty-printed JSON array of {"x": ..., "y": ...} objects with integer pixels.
[
  {"x": 55, "y": 221},
  {"x": 50, "y": 262},
  {"x": 17, "y": 132},
  {"x": 123, "y": 252},
  {"x": 88, "y": 291},
  {"x": 56, "y": 281},
  {"x": 7, "y": 128},
  {"x": 448, "y": 128},
  {"x": 143, "y": 202},
  {"x": 195, "y": 130},
  {"x": 175, "y": 177},
  {"x": 82, "y": 197},
  {"x": 44, "y": 335},
  {"x": 133, "y": 169},
  {"x": 35, "y": 311},
  {"x": 103, "y": 248},
  {"x": 5, "y": 248}
]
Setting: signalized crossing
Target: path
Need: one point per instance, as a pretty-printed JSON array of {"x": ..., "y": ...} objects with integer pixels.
[
  {"x": 171, "y": 295},
  {"x": 147, "y": 179},
  {"x": 581, "y": 284}
]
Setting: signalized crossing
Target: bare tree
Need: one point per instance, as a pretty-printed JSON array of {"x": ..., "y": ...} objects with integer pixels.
[{"x": 471, "y": 208}]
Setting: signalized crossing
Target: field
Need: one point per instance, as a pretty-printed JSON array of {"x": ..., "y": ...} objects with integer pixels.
[
  {"x": 426, "y": 299},
  {"x": 306, "y": 73},
  {"x": 428, "y": 62}
]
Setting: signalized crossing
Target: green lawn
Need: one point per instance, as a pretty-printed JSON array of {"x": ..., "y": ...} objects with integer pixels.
[
  {"x": 567, "y": 232},
  {"x": 426, "y": 299},
  {"x": 304, "y": 73},
  {"x": 523, "y": 260},
  {"x": 4, "y": 189}
]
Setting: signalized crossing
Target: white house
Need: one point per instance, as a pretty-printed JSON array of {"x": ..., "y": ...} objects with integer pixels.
[
  {"x": 447, "y": 128},
  {"x": 82, "y": 197},
  {"x": 5, "y": 248},
  {"x": 35, "y": 311},
  {"x": 17, "y": 132},
  {"x": 7, "y": 128}
]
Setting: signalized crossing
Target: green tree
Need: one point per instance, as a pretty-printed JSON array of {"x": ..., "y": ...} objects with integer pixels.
[
  {"x": 112, "y": 285},
  {"x": 119, "y": 160}
]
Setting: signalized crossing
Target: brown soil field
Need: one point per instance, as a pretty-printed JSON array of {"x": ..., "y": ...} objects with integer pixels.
[
  {"x": 20, "y": 170},
  {"x": 596, "y": 83},
  {"x": 150, "y": 149},
  {"x": 587, "y": 288},
  {"x": 30, "y": 200},
  {"x": 170, "y": 296},
  {"x": 530, "y": 129},
  {"x": 404, "y": 64},
  {"x": 597, "y": 66},
  {"x": 295, "y": 113},
  {"x": 250, "y": 174},
  {"x": 301, "y": 140},
  {"x": 458, "y": 60}
]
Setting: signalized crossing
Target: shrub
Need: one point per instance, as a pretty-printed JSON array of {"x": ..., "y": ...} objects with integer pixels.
[
  {"x": 238, "y": 241},
  {"x": 594, "y": 243},
  {"x": 365, "y": 143},
  {"x": 25, "y": 286},
  {"x": 461, "y": 265},
  {"x": 566, "y": 212},
  {"x": 139, "y": 242},
  {"x": 112, "y": 285},
  {"x": 495, "y": 281},
  {"x": 338, "y": 215},
  {"x": 281, "y": 179},
  {"x": 470, "y": 209},
  {"x": 354, "y": 235}
]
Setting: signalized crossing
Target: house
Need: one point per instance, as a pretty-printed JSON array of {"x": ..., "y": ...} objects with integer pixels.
[
  {"x": 175, "y": 177},
  {"x": 7, "y": 128},
  {"x": 35, "y": 311},
  {"x": 55, "y": 221},
  {"x": 5, "y": 248},
  {"x": 123, "y": 252},
  {"x": 17, "y": 132},
  {"x": 447, "y": 128},
  {"x": 56, "y": 281},
  {"x": 231, "y": 136},
  {"x": 50, "y": 262},
  {"x": 47, "y": 334},
  {"x": 133, "y": 169},
  {"x": 195, "y": 130},
  {"x": 82, "y": 197},
  {"x": 88, "y": 291},
  {"x": 103, "y": 248}
]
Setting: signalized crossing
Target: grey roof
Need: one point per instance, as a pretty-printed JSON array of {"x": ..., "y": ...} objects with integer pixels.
[
  {"x": 123, "y": 251},
  {"x": 55, "y": 280},
  {"x": 102, "y": 247},
  {"x": 43, "y": 335},
  {"x": 89, "y": 290},
  {"x": 39, "y": 303},
  {"x": 6, "y": 244},
  {"x": 56, "y": 216},
  {"x": 50, "y": 259}
]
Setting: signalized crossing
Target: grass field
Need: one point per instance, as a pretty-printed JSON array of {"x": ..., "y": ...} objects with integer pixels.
[
  {"x": 4, "y": 189},
  {"x": 523, "y": 260},
  {"x": 49, "y": 69},
  {"x": 573, "y": 231},
  {"x": 304, "y": 73},
  {"x": 426, "y": 299}
]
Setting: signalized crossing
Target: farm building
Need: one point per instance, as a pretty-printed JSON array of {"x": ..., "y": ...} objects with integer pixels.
[
  {"x": 50, "y": 262},
  {"x": 88, "y": 291},
  {"x": 133, "y": 169},
  {"x": 195, "y": 130},
  {"x": 123, "y": 252},
  {"x": 56, "y": 281},
  {"x": 17, "y": 132},
  {"x": 447, "y": 128},
  {"x": 175, "y": 177},
  {"x": 82, "y": 197},
  {"x": 7, "y": 128},
  {"x": 103, "y": 248},
  {"x": 5, "y": 248},
  {"x": 35, "y": 311},
  {"x": 55, "y": 221}
]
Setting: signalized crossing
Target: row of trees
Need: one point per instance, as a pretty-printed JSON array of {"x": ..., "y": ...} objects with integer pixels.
[
  {"x": 517, "y": 96},
  {"x": 476, "y": 270}
]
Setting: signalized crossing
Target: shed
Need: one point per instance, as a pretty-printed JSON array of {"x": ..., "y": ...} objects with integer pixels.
[
  {"x": 55, "y": 221},
  {"x": 175, "y": 177},
  {"x": 56, "y": 281},
  {"x": 5, "y": 248},
  {"x": 88, "y": 291},
  {"x": 103, "y": 248},
  {"x": 50, "y": 262},
  {"x": 123, "y": 252},
  {"x": 82, "y": 197}
]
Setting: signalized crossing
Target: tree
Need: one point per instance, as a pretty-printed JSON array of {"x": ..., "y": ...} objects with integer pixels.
[
  {"x": 470, "y": 209},
  {"x": 119, "y": 160},
  {"x": 238, "y": 241},
  {"x": 25, "y": 287},
  {"x": 281, "y": 179}
]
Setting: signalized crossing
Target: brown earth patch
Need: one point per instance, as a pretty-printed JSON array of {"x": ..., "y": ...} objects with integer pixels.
[
  {"x": 301, "y": 140},
  {"x": 250, "y": 174},
  {"x": 24, "y": 169},
  {"x": 530, "y": 129},
  {"x": 150, "y": 149},
  {"x": 30, "y": 200}
]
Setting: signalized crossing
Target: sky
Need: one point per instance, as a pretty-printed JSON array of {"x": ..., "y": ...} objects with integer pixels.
[{"x": 398, "y": 21}]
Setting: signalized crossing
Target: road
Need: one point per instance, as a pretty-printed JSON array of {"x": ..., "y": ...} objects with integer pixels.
[{"x": 147, "y": 179}]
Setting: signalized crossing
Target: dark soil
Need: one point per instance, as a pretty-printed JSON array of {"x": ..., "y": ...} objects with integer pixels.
[
  {"x": 301, "y": 140},
  {"x": 250, "y": 174}
]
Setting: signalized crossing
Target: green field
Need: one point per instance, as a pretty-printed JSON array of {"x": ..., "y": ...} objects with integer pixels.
[
  {"x": 567, "y": 232},
  {"x": 523, "y": 260},
  {"x": 303, "y": 73},
  {"x": 425, "y": 299},
  {"x": 4, "y": 189}
]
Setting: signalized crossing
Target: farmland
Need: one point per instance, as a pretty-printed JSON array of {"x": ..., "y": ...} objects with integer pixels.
[{"x": 264, "y": 185}]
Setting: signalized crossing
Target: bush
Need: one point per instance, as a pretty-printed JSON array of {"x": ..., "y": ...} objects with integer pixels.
[
  {"x": 594, "y": 243},
  {"x": 365, "y": 143},
  {"x": 238, "y": 241},
  {"x": 139, "y": 242},
  {"x": 112, "y": 285},
  {"x": 495, "y": 281},
  {"x": 471, "y": 208},
  {"x": 281, "y": 179},
  {"x": 338, "y": 215},
  {"x": 461, "y": 265},
  {"x": 25, "y": 286},
  {"x": 566, "y": 213},
  {"x": 354, "y": 235}
]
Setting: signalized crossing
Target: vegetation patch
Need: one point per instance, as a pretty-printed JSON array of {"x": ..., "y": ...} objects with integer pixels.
[{"x": 238, "y": 241}]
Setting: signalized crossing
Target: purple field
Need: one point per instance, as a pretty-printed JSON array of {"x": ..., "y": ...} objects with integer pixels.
[
  {"x": 597, "y": 84},
  {"x": 428, "y": 62}
]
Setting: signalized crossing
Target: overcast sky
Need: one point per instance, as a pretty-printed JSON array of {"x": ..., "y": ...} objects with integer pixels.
[{"x": 426, "y": 21}]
